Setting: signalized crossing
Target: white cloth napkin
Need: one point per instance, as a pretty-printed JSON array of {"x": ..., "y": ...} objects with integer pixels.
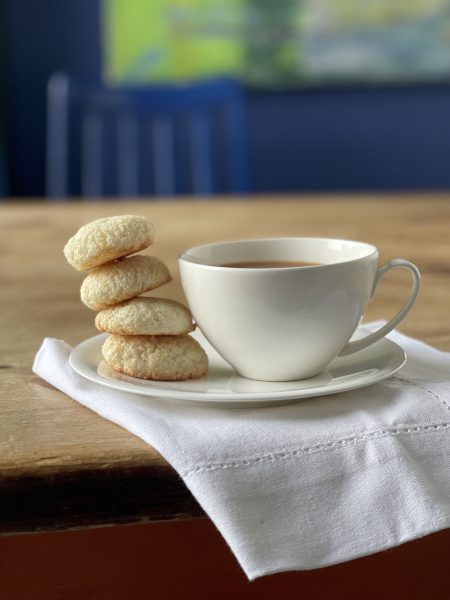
[{"x": 305, "y": 485}]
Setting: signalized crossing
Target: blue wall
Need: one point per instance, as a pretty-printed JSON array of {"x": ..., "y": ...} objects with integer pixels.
[
  {"x": 389, "y": 138},
  {"x": 385, "y": 138}
]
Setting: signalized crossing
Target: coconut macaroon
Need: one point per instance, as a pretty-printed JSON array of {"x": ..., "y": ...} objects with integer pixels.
[
  {"x": 106, "y": 239},
  {"x": 123, "y": 279},
  {"x": 163, "y": 358},
  {"x": 146, "y": 316}
]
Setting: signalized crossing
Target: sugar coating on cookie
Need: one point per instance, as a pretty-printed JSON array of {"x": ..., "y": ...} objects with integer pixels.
[
  {"x": 163, "y": 358},
  {"x": 123, "y": 279},
  {"x": 106, "y": 239},
  {"x": 146, "y": 316}
]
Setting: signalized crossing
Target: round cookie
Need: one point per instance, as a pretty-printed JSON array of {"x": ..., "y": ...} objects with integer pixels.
[
  {"x": 164, "y": 358},
  {"x": 146, "y": 316},
  {"x": 106, "y": 239},
  {"x": 123, "y": 279}
]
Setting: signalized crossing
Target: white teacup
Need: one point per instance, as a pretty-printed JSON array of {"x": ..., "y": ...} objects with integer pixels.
[{"x": 288, "y": 323}]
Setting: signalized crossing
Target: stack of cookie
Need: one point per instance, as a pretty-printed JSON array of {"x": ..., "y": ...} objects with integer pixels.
[{"x": 149, "y": 336}]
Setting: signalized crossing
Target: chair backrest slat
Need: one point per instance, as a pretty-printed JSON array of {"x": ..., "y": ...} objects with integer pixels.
[
  {"x": 163, "y": 155},
  {"x": 127, "y": 156},
  {"x": 57, "y": 136},
  {"x": 237, "y": 151},
  {"x": 91, "y": 153},
  {"x": 201, "y": 164}
]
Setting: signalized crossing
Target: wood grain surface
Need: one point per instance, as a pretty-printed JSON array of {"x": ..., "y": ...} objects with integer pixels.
[{"x": 62, "y": 466}]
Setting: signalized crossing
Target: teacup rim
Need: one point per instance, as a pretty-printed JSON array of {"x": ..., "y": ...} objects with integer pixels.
[{"x": 187, "y": 258}]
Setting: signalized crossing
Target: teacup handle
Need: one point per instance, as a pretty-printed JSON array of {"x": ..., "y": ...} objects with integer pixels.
[{"x": 377, "y": 335}]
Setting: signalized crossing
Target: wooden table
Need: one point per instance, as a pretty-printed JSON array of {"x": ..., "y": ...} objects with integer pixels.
[{"x": 62, "y": 466}]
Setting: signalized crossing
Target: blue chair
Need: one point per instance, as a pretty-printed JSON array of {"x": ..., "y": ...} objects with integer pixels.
[{"x": 160, "y": 140}]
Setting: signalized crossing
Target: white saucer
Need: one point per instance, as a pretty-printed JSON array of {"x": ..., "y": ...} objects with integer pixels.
[{"x": 222, "y": 387}]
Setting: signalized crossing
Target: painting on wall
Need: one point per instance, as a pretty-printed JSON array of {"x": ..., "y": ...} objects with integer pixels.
[{"x": 277, "y": 42}]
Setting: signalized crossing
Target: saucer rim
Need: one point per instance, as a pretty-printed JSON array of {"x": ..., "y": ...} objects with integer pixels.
[{"x": 88, "y": 370}]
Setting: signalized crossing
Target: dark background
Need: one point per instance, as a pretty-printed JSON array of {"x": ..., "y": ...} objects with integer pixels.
[{"x": 351, "y": 138}]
